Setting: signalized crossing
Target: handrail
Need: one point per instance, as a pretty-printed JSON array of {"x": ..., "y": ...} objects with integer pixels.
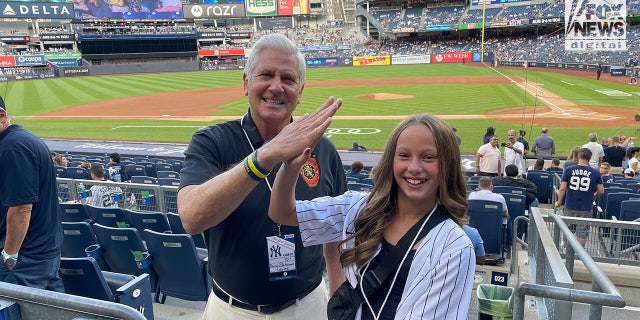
[{"x": 65, "y": 303}]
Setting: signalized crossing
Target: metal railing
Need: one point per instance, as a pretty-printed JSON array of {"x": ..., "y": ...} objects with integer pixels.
[
  {"x": 135, "y": 196},
  {"x": 553, "y": 276},
  {"x": 36, "y": 304}
]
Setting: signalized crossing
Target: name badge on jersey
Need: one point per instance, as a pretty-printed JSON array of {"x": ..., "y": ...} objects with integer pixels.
[{"x": 281, "y": 251}]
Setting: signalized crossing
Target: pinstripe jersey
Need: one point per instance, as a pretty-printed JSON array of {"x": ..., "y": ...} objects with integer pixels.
[{"x": 440, "y": 279}]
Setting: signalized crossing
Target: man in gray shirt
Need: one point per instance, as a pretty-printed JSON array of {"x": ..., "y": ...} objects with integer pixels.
[{"x": 544, "y": 146}]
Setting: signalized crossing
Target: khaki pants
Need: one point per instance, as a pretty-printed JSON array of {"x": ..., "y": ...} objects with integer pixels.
[{"x": 311, "y": 307}]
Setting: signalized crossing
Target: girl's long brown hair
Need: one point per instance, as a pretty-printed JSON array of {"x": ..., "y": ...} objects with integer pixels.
[{"x": 375, "y": 216}]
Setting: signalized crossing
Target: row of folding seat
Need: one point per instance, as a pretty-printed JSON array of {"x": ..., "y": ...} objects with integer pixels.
[
  {"x": 121, "y": 218},
  {"x": 127, "y": 251}
]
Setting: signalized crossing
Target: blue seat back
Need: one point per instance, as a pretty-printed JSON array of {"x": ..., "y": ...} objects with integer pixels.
[
  {"x": 83, "y": 277},
  {"x": 78, "y": 173},
  {"x": 629, "y": 211},
  {"x": 517, "y": 204},
  {"x": 544, "y": 182},
  {"x": 486, "y": 216},
  {"x": 510, "y": 190},
  {"x": 168, "y": 174},
  {"x": 192, "y": 282},
  {"x": 176, "y": 227},
  {"x": 355, "y": 186},
  {"x": 602, "y": 201},
  {"x": 169, "y": 182},
  {"x": 109, "y": 217},
  {"x": 74, "y": 212},
  {"x": 614, "y": 202},
  {"x": 156, "y": 221},
  {"x": 118, "y": 248}
]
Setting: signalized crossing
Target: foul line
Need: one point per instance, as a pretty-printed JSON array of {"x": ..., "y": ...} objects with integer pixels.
[{"x": 529, "y": 91}]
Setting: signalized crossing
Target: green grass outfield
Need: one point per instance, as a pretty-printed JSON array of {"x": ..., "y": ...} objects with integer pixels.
[{"x": 30, "y": 98}]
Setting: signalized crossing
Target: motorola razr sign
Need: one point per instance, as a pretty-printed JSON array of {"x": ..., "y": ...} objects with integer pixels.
[
  {"x": 38, "y": 10},
  {"x": 231, "y": 10},
  {"x": 261, "y": 8},
  {"x": 595, "y": 25}
]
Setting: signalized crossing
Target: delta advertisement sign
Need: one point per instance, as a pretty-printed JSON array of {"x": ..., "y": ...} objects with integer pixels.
[{"x": 38, "y": 10}]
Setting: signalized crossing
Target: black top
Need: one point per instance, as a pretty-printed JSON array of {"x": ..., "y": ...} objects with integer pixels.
[
  {"x": 238, "y": 253},
  {"x": 531, "y": 188},
  {"x": 614, "y": 155},
  {"x": 377, "y": 298},
  {"x": 27, "y": 176}
]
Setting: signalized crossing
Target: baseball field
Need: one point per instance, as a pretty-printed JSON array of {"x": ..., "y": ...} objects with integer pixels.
[{"x": 169, "y": 107}]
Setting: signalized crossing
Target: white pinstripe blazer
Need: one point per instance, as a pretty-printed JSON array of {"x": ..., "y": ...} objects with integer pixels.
[{"x": 440, "y": 279}]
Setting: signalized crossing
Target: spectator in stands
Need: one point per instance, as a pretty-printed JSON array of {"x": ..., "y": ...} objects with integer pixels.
[
  {"x": 615, "y": 154},
  {"x": 629, "y": 174},
  {"x": 31, "y": 223},
  {"x": 53, "y": 155},
  {"x": 478, "y": 244},
  {"x": 581, "y": 184},
  {"x": 572, "y": 158},
  {"x": 220, "y": 194},
  {"x": 522, "y": 140},
  {"x": 85, "y": 165},
  {"x": 488, "y": 161},
  {"x": 491, "y": 131},
  {"x": 116, "y": 171},
  {"x": 357, "y": 147},
  {"x": 596, "y": 150},
  {"x": 605, "y": 172},
  {"x": 458, "y": 139},
  {"x": 513, "y": 152},
  {"x": 513, "y": 180},
  {"x": 633, "y": 161},
  {"x": 414, "y": 181},
  {"x": 102, "y": 195},
  {"x": 555, "y": 166},
  {"x": 538, "y": 165},
  {"x": 606, "y": 142},
  {"x": 61, "y": 161},
  {"x": 356, "y": 171},
  {"x": 544, "y": 146}
]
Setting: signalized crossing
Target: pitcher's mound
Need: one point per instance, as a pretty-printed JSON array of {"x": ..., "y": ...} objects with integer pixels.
[{"x": 385, "y": 96}]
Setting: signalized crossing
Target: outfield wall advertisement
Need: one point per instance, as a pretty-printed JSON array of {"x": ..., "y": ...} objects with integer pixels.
[
  {"x": 371, "y": 61},
  {"x": 410, "y": 59},
  {"x": 452, "y": 57}
]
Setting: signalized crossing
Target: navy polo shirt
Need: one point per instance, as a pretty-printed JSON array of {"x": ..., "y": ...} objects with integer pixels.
[
  {"x": 238, "y": 253},
  {"x": 27, "y": 176}
]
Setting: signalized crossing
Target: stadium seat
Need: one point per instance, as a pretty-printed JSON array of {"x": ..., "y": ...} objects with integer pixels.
[
  {"x": 168, "y": 174},
  {"x": 544, "y": 182},
  {"x": 486, "y": 216},
  {"x": 192, "y": 282},
  {"x": 124, "y": 251},
  {"x": 77, "y": 237},
  {"x": 163, "y": 167},
  {"x": 74, "y": 212},
  {"x": 169, "y": 182},
  {"x": 78, "y": 173},
  {"x": 61, "y": 172},
  {"x": 109, "y": 217},
  {"x": 355, "y": 186},
  {"x": 517, "y": 204},
  {"x": 510, "y": 189},
  {"x": 176, "y": 227},
  {"x": 135, "y": 170},
  {"x": 149, "y": 168},
  {"x": 83, "y": 277},
  {"x": 156, "y": 221},
  {"x": 144, "y": 180}
]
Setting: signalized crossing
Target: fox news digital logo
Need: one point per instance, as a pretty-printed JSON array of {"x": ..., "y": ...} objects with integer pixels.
[{"x": 595, "y": 25}]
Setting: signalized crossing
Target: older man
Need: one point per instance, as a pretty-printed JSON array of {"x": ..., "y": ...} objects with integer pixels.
[
  {"x": 488, "y": 161},
  {"x": 225, "y": 189}
]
